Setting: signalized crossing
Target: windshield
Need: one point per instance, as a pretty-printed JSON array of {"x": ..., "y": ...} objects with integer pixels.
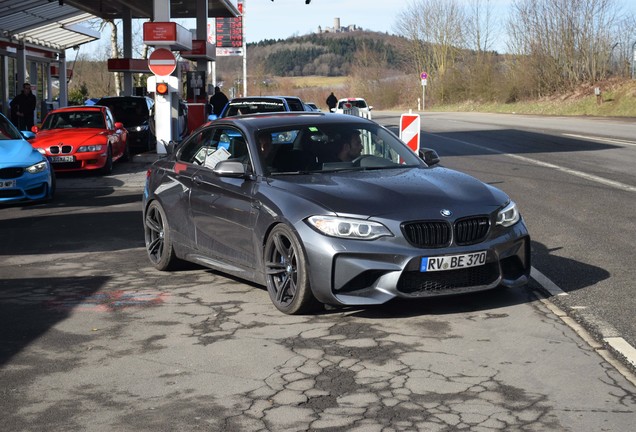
[
  {"x": 7, "y": 130},
  {"x": 352, "y": 103},
  {"x": 74, "y": 119},
  {"x": 332, "y": 147}
]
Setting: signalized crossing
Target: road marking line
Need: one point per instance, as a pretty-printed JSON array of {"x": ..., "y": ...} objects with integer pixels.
[
  {"x": 618, "y": 344},
  {"x": 601, "y": 139},
  {"x": 621, "y": 345},
  {"x": 591, "y": 177},
  {"x": 546, "y": 283}
]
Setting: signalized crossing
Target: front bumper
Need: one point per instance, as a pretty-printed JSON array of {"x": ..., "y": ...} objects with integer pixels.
[
  {"x": 83, "y": 161},
  {"x": 28, "y": 187},
  {"x": 365, "y": 273}
]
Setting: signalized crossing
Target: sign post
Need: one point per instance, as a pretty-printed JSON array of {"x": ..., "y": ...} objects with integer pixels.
[
  {"x": 424, "y": 77},
  {"x": 162, "y": 62}
]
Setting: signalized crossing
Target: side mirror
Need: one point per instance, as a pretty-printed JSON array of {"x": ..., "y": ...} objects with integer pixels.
[
  {"x": 35, "y": 129},
  {"x": 171, "y": 147},
  {"x": 29, "y": 135},
  {"x": 429, "y": 156},
  {"x": 333, "y": 110},
  {"x": 229, "y": 168},
  {"x": 119, "y": 125},
  {"x": 370, "y": 107}
]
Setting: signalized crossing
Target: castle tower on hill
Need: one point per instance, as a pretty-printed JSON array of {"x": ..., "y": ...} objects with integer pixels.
[{"x": 337, "y": 28}]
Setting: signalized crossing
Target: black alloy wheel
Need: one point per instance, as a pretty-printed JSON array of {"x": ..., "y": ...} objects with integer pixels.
[
  {"x": 158, "y": 239},
  {"x": 286, "y": 273}
]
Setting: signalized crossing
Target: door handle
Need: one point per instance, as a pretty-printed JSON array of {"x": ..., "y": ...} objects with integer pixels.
[{"x": 197, "y": 179}]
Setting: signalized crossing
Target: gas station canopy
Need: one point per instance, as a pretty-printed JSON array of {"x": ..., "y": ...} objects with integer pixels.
[{"x": 54, "y": 23}]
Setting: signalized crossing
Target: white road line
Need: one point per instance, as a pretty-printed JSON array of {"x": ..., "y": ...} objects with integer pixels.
[
  {"x": 546, "y": 283},
  {"x": 602, "y": 139},
  {"x": 618, "y": 344},
  {"x": 586, "y": 176},
  {"x": 621, "y": 345}
]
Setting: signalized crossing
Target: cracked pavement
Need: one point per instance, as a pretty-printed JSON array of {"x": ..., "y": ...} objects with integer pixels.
[{"x": 92, "y": 338}]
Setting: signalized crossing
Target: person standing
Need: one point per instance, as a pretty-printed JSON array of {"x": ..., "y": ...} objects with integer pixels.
[
  {"x": 332, "y": 101},
  {"x": 218, "y": 101},
  {"x": 22, "y": 108}
]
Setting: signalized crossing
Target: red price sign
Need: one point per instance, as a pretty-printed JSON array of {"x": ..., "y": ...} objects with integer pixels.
[{"x": 229, "y": 32}]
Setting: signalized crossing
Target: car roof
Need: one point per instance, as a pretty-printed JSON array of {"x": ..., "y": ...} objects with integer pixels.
[
  {"x": 124, "y": 97},
  {"x": 256, "y": 98},
  {"x": 258, "y": 121},
  {"x": 80, "y": 108}
]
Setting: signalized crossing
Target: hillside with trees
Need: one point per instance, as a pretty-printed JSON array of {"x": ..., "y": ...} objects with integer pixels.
[{"x": 555, "y": 47}]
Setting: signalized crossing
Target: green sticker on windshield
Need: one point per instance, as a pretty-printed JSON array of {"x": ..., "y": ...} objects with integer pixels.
[{"x": 313, "y": 128}]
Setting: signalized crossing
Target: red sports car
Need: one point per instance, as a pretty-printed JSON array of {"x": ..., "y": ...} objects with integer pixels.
[{"x": 81, "y": 138}]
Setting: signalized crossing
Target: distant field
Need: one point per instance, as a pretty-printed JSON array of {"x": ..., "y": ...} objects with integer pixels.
[{"x": 318, "y": 81}]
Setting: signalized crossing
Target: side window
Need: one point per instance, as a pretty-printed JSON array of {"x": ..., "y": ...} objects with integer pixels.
[
  {"x": 213, "y": 145},
  {"x": 197, "y": 147},
  {"x": 110, "y": 122}
]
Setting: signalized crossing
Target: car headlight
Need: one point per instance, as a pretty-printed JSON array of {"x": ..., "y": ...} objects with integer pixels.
[
  {"x": 141, "y": 128},
  {"x": 41, "y": 150},
  {"x": 90, "y": 148},
  {"x": 509, "y": 215},
  {"x": 348, "y": 228},
  {"x": 38, "y": 167}
]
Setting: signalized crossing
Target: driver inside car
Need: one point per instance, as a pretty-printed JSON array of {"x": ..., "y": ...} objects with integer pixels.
[{"x": 351, "y": 146}]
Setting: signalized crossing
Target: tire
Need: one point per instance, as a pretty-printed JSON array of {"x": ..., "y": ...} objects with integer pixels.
[
  {"x": 108, "y": 166},
  {"x": 52, "y": 187},
  {"x": 286, "y": 273},
  {"x": 125, "y": 157},
  {"x": 158, "y": 239}
]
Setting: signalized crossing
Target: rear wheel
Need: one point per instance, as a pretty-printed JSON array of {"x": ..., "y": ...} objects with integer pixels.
[
  {"x": 286, "y": 273},
  {"x": 158, "y": 238}
]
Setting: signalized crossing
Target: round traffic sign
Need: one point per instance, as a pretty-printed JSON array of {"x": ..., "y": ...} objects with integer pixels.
[
  {"x": 162, "y": 62},
  {"x": 423, "y": 75}
]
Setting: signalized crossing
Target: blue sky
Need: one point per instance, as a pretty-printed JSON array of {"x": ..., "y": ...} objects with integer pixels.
[{"x": 280, "y": 19}]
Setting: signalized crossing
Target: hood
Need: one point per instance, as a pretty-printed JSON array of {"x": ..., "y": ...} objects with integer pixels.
[
  {"x": 410, "y": 193},
  {"x": 75, "y": 137},
  {"x": 18, "y": 153}
]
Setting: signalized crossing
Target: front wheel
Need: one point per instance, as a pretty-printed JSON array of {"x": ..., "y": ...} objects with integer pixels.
[
  {"x": 158, "y": 239},
  {"x": 108, "y": 165},
  {"x": 286, "y": 273}
]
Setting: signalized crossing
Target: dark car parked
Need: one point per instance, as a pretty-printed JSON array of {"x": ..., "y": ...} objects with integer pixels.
[
  {"x": 326, "y": 208},
  {"x": 135, "y": 113}
]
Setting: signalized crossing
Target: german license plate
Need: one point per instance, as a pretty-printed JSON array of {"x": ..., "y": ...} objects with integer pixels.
[
  {"x": 452, "y": 262},
  {"x": 6, "y": 184},
  {"x": 55, "y": 159}
]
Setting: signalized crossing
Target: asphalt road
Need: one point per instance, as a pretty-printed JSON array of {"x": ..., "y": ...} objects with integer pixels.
[
  {"x": 575, "y": 181},
  {"x": 92, "y": 338}
]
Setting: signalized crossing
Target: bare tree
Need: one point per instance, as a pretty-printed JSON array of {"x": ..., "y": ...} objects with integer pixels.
[
  {"x": 565, "y": 42},
  {"x": 434, "y": 29},
  {"x": 115, "y": 52}
]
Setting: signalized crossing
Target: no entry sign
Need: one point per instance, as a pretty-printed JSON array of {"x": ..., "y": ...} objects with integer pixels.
[
  {"x": 410, "y": 130},
  {"x": 162, "y": 62}
]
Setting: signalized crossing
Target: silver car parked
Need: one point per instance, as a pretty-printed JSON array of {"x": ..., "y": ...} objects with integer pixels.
[{"x": 329, "y": 209}]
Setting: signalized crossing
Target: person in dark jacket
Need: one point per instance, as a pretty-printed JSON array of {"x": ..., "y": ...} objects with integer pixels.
[
  {"x": 332, "y": 101},
  {"x": 218, "y": 101},
  {"x": 22, "y": 108}
]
